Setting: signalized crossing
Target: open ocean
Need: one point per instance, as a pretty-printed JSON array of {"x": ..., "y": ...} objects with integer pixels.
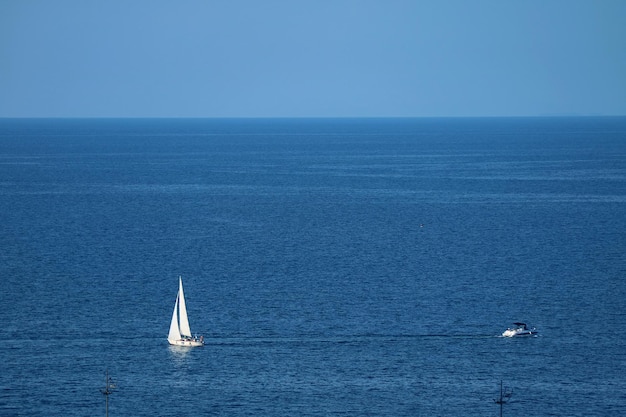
[{"x": 336, "y": 267}]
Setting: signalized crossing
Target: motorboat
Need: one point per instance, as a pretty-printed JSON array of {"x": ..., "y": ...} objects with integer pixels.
[{"x": 520, "y": 329}]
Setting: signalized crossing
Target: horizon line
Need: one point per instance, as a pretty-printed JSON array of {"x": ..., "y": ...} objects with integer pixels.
[{"x": 546, "y": 116}]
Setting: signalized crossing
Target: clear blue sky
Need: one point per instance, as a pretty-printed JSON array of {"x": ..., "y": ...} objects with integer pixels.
[{"x": 317, "y": 58}]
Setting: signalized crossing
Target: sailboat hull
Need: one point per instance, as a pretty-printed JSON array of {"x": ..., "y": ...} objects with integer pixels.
[{"x": 186, "y": 342}]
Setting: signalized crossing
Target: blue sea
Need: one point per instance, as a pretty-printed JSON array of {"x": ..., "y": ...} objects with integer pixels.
[{"x": 336, "y": 267}]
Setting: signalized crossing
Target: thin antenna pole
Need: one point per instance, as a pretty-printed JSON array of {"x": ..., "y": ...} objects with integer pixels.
[
  {"x": 108, "y": 390},
  {"x": 504, "y": 398},
  {"x": 500, "y": 400}
]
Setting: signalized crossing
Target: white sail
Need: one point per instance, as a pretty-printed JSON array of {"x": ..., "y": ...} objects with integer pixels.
[
  {"x": 174, "y": 332},
  {"x": 182, "y": 311},
  {"x": 180, "y": 333}
]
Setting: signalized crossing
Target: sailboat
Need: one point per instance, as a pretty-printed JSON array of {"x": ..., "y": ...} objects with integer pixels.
[{"x": 180, "y": 333}]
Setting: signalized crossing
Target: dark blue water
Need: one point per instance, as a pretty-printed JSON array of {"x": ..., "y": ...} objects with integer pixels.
[{"x": 335, "y": 267}]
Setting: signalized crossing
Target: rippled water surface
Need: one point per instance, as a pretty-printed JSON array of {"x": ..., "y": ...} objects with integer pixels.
[{"x": 335, "y": 267}]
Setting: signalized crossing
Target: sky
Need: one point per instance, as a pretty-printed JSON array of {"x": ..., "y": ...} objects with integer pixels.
[{"x": 312, "y": 58}]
